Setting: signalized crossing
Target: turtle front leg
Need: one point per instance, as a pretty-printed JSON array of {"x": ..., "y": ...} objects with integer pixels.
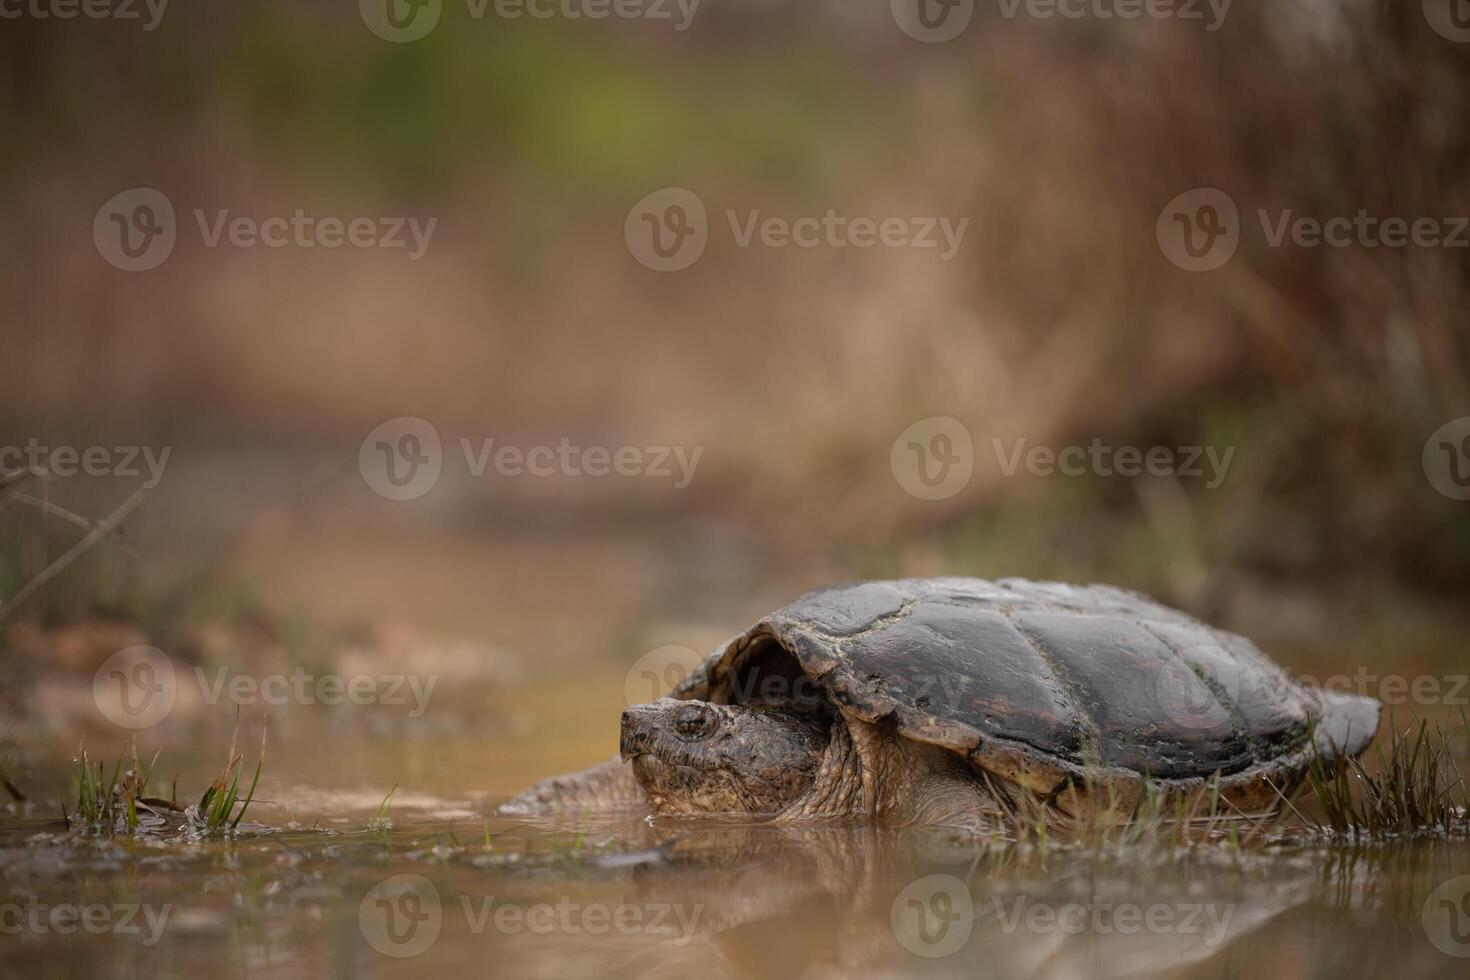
[
  {"x": 906, "y": 783},
  {"x": 607, "y": 786},
  {"x": 955, "y": 800}
]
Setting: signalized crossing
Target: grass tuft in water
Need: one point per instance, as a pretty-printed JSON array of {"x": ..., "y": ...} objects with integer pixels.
[
  {"x": 1415, "y": 788},
  {"x": 109, "y": 805},
  {"x": 380, "y": 820},
  {"x": 1411, "y": 786},
  {"x": 218, "y": 802},
  {"x": 1101, "y": 819}
]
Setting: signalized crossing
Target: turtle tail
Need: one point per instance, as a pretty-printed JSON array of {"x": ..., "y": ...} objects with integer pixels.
[{"x": 1346, "y": 725}]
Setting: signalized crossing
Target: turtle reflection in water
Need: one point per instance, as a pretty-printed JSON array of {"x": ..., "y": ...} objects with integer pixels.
[
  {"x": 843, "y": 899},
  {"x": 945, "y": 702}
]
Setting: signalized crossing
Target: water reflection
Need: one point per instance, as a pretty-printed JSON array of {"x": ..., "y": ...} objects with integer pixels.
[{"x": 619, "y": 896}]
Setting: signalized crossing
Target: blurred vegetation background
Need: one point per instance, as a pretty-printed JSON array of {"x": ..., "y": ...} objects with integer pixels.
[{"x": 1060, "y": 320}]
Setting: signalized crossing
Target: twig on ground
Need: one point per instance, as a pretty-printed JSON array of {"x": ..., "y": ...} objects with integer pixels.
[
  {"x": 99, "y": 532},
  {"x": 114, "y": 536}
]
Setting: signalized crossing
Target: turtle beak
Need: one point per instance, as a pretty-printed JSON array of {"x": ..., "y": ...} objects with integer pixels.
[
  {"x": 634, "y": 739},
  {"x": 643, "y": 725}
]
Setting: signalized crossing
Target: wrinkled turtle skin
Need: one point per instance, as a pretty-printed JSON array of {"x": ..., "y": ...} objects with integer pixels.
[{"x": 1069, "y": 692}]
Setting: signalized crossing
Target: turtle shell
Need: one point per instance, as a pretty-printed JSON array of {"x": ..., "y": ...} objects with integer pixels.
[{"x": 1043, "y": 683}]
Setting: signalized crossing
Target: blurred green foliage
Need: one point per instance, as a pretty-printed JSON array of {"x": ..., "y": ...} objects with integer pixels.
[{"x": 547, "y": 102}]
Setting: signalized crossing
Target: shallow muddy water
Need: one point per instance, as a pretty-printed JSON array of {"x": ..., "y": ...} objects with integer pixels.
[{"x": 313, "y": 888}]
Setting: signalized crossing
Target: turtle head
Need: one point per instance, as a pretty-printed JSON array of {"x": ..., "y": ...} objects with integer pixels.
[{"x": 694, "y": 757}]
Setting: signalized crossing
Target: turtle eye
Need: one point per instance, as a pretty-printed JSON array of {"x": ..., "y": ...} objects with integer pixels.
[{"x": 694, "y": 721}]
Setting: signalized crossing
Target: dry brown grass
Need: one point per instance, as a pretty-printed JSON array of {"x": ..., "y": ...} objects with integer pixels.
[{"x": 1060, "y": 320}]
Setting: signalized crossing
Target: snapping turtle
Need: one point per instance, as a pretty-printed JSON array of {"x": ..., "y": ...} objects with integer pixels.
[{"x": 943, "y": 701}]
